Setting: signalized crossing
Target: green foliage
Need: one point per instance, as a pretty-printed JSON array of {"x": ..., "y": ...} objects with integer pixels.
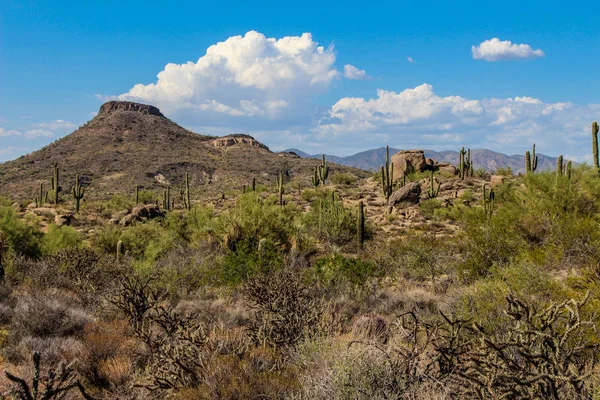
[
  {"x": 342, "y": 178},
  {"x": 59, "y": 238},
  {"x": 429, "y": 206},
  {"x": 329, "y": 221},
  {"x": 504, "y": 171},
  {"x": 337, "y": 270},
  {"x": 22, "y": 236}
]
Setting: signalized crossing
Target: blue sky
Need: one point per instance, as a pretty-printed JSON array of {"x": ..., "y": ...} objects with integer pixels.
[{"x": 319, "y": 76}]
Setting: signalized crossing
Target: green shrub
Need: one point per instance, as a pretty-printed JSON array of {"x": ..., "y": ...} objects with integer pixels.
[
  {"x": 330, "y": 221},
  {"x": 59, "y": 238},
  {"x": 23, "y": 236},
  {"x": 337, "y": 270},
  {"x": 342, "y": 178}
]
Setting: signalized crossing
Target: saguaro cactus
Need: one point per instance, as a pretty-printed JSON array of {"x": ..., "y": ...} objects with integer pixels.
[
  {"x": 315, "y": 178},
  {"x": 185, "y": 193},
  {"x": 595, "y": 144},
  {"x": 559, "y": 166},
  {"x": 166, "y": 203},
  {"x": 119, "y": 250},
  {"x": 39, "y": 200},
  {"x": 280, "y": 188},
  {"x": 465, "y": 165},
  {"x": 137, "y": 194},
  {"x": 360, "y": 228},
  {"x": 253, "y": 184},
  {"x": 387, "y": 176},
  {"x": 531, "y": 160},
  {"x": 323, "y": 171},
  {"x": 433, "y": 191},
  {"x": 78, "y": 192},
  {"x": 569, "y": 169},
  {"x": 55, "y": 184},
  {"x": 488, "y": 200}
]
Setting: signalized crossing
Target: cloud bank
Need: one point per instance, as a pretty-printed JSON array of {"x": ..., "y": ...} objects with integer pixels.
[{"x": 497, "y": 50}]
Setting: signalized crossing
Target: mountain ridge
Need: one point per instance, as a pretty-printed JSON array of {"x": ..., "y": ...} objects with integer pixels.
[{"x": 489, "y": 160}]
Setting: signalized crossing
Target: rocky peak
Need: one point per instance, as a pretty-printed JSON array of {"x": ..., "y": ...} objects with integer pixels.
[
  {"x": 234, "y": 139},
  {"x": 145, "y": 109}
]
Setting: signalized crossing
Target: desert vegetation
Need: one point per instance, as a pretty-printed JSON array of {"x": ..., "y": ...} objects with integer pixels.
[{"x": 440, "y": 283}]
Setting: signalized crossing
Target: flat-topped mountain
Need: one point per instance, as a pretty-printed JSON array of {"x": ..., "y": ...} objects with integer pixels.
[{"x": 128, "y": 143}]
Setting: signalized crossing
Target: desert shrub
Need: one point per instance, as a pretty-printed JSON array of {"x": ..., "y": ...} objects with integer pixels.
[
  {"x": 107, "y": 354},
  {"x": 108, "y": 207},
  {"x": 260, "y": 372},
  {"x": 429, "y": 206},
  {"x": 46, "y": 314},
  {"x": 339, "y": 271},
  {"x": 59, "y": 238},
  {"x": 147, "y": 241},
  {"x": 487, "y": 241},
  {"x": 22, "y": 237},
  {"x": 504, "y": 171},
  {"x": 330, "y": 221},
  {"x": 424, "y": 256},
  {"x": 342, "y": 178},
  {"x": 284, "y": 311}
]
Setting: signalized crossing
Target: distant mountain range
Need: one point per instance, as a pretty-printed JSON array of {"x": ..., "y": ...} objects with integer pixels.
[{"x": 482, "y": 158}]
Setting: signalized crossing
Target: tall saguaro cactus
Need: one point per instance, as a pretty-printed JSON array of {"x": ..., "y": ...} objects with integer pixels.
[
  {"x": 387, "y": 176},
  {"x": 360, "y": 228},
  {"x": 569, "y": 169},
  {"x": 55, "y": 184},
  {"x": 41, "y": 198},
  {"x": 254, "y": 184},
  {"x": 184, "y": 191},
  {"x": 315, "y": 178},
  {"x": 488, "y": 200},
  {"x": 595, "y": 145},
  {"x": 559, "y": 166},
  {"x": 433, "y": 191},
  {"x": 280, "y": 189},
  {"x": 323, "y": 171},
  {"x": 531, "y": 161},
  {"x": 137, "y": 194},
  {"x": 78, "y": 192},
  {"x": 465, "y": 165},
  {"x": 166, "y": 203}
]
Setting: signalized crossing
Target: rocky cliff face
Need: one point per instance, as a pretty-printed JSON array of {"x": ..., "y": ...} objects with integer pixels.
[{"x": 145, "y": 109}]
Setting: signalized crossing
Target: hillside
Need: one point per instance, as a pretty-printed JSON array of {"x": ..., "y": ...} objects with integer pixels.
[
  {"x": 127, "y": 144},
  {"x": 483, "y": 158}
]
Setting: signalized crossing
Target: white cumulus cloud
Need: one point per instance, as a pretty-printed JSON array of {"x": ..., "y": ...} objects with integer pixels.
[
  {"x": 9, "y": 132},
  {"x": 418, "y": 117},
  {"x": 496, "y": 50},
  {"x": 37, "y": 133},
  {"x": 58, "y": 124},
  {"x": 351, "y": 72},
  {"x": 410, "y": 60},
  {"x": 250, "y": 77}
]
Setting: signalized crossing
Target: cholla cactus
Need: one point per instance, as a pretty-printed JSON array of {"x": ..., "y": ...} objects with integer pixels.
[{"x": 55, "y": 385}]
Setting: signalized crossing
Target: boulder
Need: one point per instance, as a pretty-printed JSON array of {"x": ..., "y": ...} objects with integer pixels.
[
  {"x": 497, "y": 180},
  {"x": 409, "y": 161},
  {"x": 448, "y": 168},
  {"x": 410, "y": 193},
  {"x": 64, "y": 219}
]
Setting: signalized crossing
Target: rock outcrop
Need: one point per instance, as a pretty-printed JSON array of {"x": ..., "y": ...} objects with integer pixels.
[
  {"x": 410, "y": 193},
  {"x": 409, "y": 161},
  {"x": 145, "y": 109},
  {"x": 231, "y": 140}
]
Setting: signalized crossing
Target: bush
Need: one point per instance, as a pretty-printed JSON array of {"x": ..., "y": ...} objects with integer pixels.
[
  {"x": 48, "y": 314},
  {"x": 23, "y": 237},
  {"x": 341, "y": 178},
  {"x": 330, "y": 221},
  {"x": 337, "y": 270},
  {"x": 59, "y": 238}
]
